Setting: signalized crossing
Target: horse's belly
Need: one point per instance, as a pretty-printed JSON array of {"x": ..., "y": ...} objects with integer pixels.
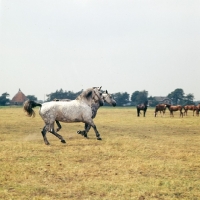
[{"x": 68, "y": 119}]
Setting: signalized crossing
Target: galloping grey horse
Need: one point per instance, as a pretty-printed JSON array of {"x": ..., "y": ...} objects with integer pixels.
[
  {"x": 106, "y": 97},
  {"x": 78, "y": 110}
]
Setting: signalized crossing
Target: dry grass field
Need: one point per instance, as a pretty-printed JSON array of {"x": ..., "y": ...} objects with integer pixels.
[{"x": 138, "y": 158}]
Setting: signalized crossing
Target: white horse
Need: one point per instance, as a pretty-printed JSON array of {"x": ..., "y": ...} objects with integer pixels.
[
  {"x": 78, "y": 110},
  {"x": 96, "y": 104}
]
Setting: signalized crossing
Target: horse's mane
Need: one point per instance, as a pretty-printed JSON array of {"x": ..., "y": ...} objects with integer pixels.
[{"x": 85, "y": 94}]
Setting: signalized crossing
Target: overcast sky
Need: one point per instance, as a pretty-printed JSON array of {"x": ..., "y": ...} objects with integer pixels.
[{"x": 123, "y": 46}]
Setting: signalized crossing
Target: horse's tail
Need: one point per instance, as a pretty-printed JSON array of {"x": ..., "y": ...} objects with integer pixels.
[{"x": 28, "y": 107}]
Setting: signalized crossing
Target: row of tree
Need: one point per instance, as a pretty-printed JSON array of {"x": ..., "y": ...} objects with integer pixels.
[{"x": 122, "y": 98}]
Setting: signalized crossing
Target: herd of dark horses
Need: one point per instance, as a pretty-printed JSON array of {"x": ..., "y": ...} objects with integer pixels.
[{"x": 162, "y": 108}]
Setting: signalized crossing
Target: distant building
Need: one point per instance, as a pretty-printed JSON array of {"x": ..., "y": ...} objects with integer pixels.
[
  {"x": 18, "y": 99},
  {"x": 163, "y": 99}
]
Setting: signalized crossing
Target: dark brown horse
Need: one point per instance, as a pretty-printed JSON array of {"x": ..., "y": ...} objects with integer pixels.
[
  {"x": 175, "y": 108},
  {"x": 161, "y": 108},
  {"x": 143, "y": 107},
  {"x": 189, "y": 107}
]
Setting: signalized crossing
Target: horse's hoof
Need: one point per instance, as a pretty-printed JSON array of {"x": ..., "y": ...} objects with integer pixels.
[
  {"x": 63, "y": 141},
  {"x": 79, "y": 132},
  {"x": 99, "y": 138}
]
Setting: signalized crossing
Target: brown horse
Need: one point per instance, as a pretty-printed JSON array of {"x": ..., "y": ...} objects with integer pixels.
[
  {"x": 161, "y": 108},
  {"x": 175, "y": 108},
  {"x": 189, "y": 107}
]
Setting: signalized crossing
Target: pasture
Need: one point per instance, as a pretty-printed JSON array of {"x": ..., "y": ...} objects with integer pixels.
[{"x": 138, "y": 158}]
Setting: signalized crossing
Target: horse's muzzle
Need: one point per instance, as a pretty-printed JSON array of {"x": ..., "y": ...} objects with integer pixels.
[{"x": 114, "y": 104}]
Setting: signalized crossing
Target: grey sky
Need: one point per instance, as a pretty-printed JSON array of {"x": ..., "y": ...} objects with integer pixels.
[{"x": 123, "y": 46}]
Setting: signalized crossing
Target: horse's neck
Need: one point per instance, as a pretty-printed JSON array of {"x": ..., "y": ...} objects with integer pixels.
[
  {"x": 96, "y": 105},
  {"x": 86, "y": 101}
]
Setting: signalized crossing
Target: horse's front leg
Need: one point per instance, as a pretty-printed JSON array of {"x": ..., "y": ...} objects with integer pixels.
[
  {"x": 91, "y": 123},
  {"x": 96, "y": 132},
  {"x": 138, "y": 112},
  {"x": 84, "y": 132},
  {"x": 87, "y": 129}
]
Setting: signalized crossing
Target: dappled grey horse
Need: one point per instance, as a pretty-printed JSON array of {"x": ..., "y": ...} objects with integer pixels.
[
  {"x": 106, "y": 97},
  {"x": 78, "y": 110}
]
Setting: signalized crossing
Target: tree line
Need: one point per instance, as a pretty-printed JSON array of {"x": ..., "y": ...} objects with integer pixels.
[{"x": 122, "y": 98}]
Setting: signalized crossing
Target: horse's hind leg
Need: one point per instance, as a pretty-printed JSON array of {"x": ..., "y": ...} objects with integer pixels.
[
  {"x": 57, "y": 135},
  {"x": 59, "y": 126},
  {"x": 44, "y": 131}
]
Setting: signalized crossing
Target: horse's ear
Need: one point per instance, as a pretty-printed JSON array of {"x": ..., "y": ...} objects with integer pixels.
[
  {"x": 106, "y": 92},
  {"x": 100, "y": 88}
]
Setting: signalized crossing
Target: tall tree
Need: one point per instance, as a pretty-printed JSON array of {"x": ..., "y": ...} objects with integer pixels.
[
  {"x": 60, "y": 94},
  {"x": 121, "y": 98},
  {"x": 189, "y": 99},
  {"x": 139, "y": 97},
  {"x": 152, "y": 101},
  {"x": 31, "y": 97},
  {"x": 4, "y": 99},
  {"x": 177, "y": 95}
]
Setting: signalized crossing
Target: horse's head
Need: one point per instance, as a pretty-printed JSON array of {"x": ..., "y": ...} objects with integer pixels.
[
  {"x": 91, "y": 94},
  {"x": 168, "y": 105},
  {"x": 97, "y": 95},
  {"x": 108, "y": 98}
]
